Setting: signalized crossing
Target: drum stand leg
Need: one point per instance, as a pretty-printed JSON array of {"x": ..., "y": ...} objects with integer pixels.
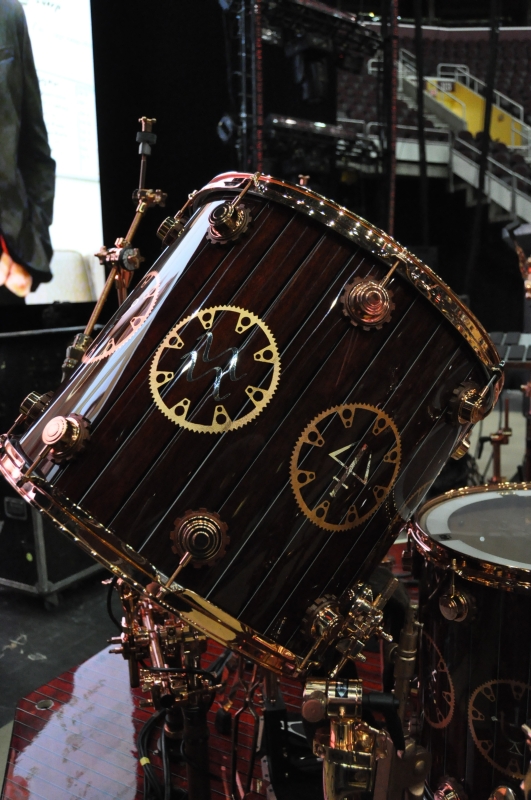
[
  {"x": 249, "y": 689},
  {"x": 175, "y": 679}
]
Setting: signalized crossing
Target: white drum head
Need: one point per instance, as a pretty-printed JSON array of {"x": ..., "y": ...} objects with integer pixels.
[{"x": 493, "y": 526}]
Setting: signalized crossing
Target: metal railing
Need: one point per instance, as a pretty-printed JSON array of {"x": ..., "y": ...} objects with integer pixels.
[
  {"x": 407, "y": 70},
  {"x": 430, "y": 133},
  {"x": 518, "y": 184},
  {"x": 461, "y": 73}
]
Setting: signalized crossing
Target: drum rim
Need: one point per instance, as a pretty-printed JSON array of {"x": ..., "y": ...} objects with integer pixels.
[
  {"x": 376, "y": 241},
  {"x": 476, "y": 570}
]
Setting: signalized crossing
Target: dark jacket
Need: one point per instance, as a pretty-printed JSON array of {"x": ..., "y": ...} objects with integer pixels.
[{"x": 27, "y": 170}]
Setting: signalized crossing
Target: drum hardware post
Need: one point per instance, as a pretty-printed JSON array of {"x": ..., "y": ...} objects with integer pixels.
[
  {"x": 249, "y": 689},
  {"x": 187, "y": 557},
  {"x": 123, "y": 259},
  {"x": 367, "y": 302},
  {"x": 500, "y": 437},
  {"x": 31, "y": 469},
  {"x": 174, "y": 678},
  {"x": 405, "y": 658},
  {"x": 455, "y": 606},
  {"x": 231, "y": 219}
]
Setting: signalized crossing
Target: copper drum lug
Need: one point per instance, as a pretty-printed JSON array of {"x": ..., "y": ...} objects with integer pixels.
[
  {"x": 367, "y": 303},
  {"x": 66, "y": 436},
  {"x": 228, "y": 223}
]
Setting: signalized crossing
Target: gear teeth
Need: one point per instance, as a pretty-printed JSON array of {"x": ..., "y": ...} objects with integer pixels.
[
  {"x": 258, "y": 407},
  {"x": 109, "y": 350}
]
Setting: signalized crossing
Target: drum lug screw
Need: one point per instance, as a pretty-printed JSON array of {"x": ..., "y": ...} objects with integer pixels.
[{"x": 367, "y": 302}]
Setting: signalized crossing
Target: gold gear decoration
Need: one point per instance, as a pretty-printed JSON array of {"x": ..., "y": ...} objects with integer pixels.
[
  {"x": 518, "y": 689},
  {"x": 221, "y": 421},
  {"x": 111, "y": 346},
  {"x": 443, "y": 720},
  {"x": 312, "y": 436}
]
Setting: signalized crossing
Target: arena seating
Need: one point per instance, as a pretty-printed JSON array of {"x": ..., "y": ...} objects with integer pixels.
[{"x": 513, "y": 64}]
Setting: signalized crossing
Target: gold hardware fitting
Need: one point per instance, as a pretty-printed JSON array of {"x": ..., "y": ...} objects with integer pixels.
[
  {"x": 324, "y": 623},
  {"x": 367, "y": 302},
  {"x": 352, "y": 747},
  {"x": 65, "y": 436},
  {"x": 230, "y": 220},
  {"x": 454, "y": 605},
  {"x": 462, "y": 448}
]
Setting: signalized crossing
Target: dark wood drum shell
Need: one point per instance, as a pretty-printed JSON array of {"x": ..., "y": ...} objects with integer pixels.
[
  {"x": 475, "y": 674},
  {"x": 171, "y": 435}
]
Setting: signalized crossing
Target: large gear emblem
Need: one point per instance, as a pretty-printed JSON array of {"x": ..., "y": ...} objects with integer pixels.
[
  {"x": 439, "y": 697},
  {"x": 215, "y": 370},
  {"x": 133, "y": 313},
  {"x": 496, "y": 711},
  {"x": 344, "y": 465}
]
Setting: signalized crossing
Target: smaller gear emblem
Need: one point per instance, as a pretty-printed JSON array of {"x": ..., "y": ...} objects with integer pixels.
[
  {"x": 367, "y": 302},
  {"x": 202, "y": 534}
]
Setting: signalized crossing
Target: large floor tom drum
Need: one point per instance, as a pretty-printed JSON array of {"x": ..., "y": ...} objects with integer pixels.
[{"x": 262, "y": 414}]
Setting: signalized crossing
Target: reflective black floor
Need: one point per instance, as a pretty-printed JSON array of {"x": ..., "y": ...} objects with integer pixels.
[{"x": 37, "y": 644}]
